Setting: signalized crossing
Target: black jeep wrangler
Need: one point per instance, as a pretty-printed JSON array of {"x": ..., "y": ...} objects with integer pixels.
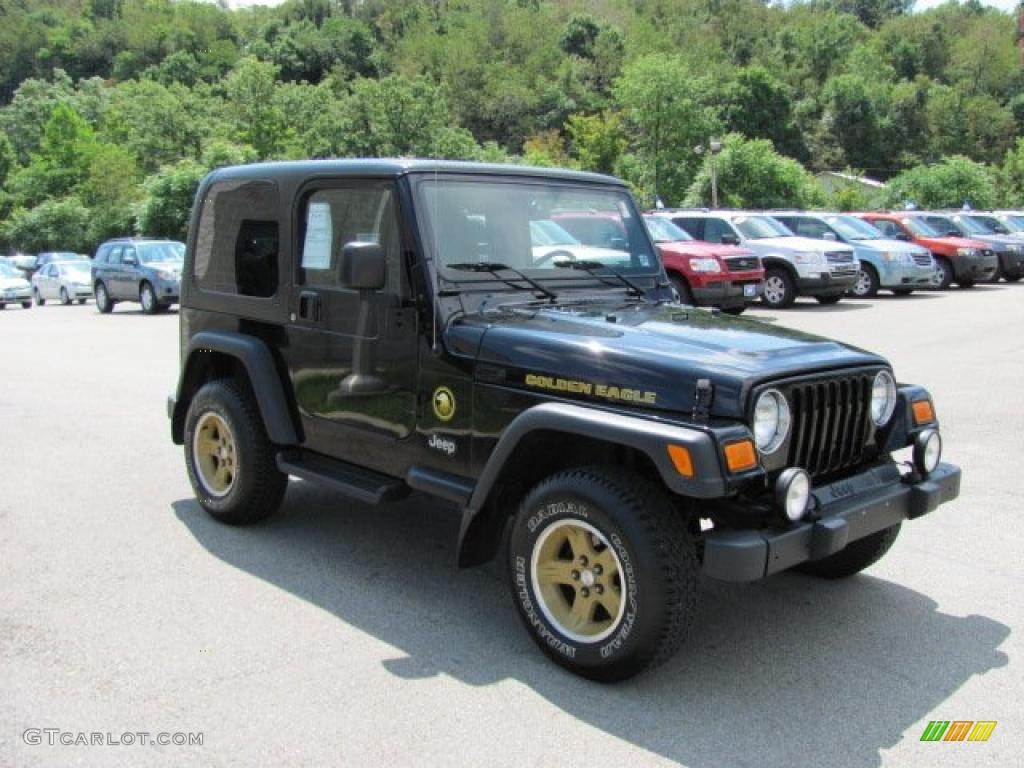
[{"x": 393, "y": 325}]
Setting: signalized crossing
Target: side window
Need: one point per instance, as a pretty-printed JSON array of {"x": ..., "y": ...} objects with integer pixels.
[
  {"x": 888, "y": 228},
  {"x": 331, "y": 218},
  {"x": 694, "y": 227},
  {"x": 715, "y": 228},
  {"x": 238, "y": 240},
  {"x": 811, "y": 228},
  {"x": 129, "y": 255},
  {"x": 114, "y": 257}
]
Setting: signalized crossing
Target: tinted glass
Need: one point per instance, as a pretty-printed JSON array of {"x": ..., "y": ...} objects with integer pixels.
[
  {"x": 760, "y": 227},
  {"x": 693, "y": 227},
  {"x": 921, "y": 228},
  {"x": 716, "y": 229},
  {"x": 852, "y": 228},
  {"x": 237, "y": 242},
  {"x": 161, "y": 253},
  {"x": 664, "y": 231}
]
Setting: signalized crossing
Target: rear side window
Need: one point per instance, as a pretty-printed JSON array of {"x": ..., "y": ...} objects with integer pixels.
[
  {"x": 694, "y": 227},
  {"x": 714, "y": 229},
  {"x": 238, "y": 239},
  {"x": 807, "y": 227}
]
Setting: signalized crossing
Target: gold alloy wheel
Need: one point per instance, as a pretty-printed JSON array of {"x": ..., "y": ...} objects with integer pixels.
[
  {"x": 214, "y": 455},
  {"x": 577, "y": 578}
]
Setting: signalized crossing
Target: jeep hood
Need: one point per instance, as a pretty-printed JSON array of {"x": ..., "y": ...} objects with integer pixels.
[{"x": 660, "y": 349}]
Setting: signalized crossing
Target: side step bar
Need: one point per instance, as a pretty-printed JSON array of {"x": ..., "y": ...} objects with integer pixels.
[{"x": 357, "y": 482}]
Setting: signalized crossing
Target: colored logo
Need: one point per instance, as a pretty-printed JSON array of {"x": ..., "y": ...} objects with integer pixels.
[
  {"x": 444, "y": 403},
  {"x": 958, "y": 730}
]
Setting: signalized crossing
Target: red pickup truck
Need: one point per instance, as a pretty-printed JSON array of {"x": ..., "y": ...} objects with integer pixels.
[
  {"x": 704, "y": 274},
  {"x": 959, "y": 260}
]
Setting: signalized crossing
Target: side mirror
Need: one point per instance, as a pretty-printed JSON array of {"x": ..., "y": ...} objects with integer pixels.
[
  {"x": 363, "y": 266},
  {"x": 730, "y": 240},
  {"x": 829, "y": 236}
]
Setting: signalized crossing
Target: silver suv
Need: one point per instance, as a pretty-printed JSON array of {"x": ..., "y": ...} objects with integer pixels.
[{"x": 793, "y": 266}]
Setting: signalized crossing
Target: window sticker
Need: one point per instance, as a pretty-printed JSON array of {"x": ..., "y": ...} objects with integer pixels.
[{"x": 316, "y": 251}]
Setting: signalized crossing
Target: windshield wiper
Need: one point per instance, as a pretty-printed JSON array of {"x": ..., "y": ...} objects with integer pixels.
[
  {"x": 590, "y": 267},
  {"x": 493, "y": 268}
]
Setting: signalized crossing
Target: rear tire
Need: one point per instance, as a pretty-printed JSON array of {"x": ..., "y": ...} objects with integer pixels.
[
  {"x": 779, "y": 288},
  {"x": 230, "y": 460},
  {"x": 40, "y": 301},
  {"x": 855, "y": 557},
  {"x": 829, "y": 300},
  {"x": 104, "y": 304},
  {"x": 1012, "y": 278},
  {"x": 603, "y": 572},
  {"x": 26, "y": 305},
  {"x": 965, "y": 283},
  {"x": 735, "y": 311}
]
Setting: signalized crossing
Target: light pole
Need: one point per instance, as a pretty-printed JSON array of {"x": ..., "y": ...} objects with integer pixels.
[{"x": 713, "y": 148}]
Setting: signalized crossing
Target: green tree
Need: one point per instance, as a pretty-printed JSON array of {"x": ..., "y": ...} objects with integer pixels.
[
  {"x": 251, "y": 87},
  {"x": 597, "y": 141},
  {"x": 55, "y": 224},
  {"x": 948, "y": 184},
  {"x": 751, "y": 174},
  {"x": 167, "y": 205},
  {"x": 758, "y": 105},
  {"x": 668, "y": 116}
]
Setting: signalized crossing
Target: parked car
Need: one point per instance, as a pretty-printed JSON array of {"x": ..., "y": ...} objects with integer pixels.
[
  {"x": 706, "y": 274},
  {"x": 24, "y": 263},
  {"x": 66, "y": 281},
  {"x": 1009, "y": 249},
  {"x": 959, "y": 260},
  {"x": 793, "y": 266},
  {"x": 48, "y": 257},
  {"x": 895, "y": 265},
  {"x": 550, "y": 242},
  {"x": 137, "y": 269},
  {"x": 14, "y": 288},
  {"x": 610, "y": 449},
  {"x": 1009, "y": 222}
]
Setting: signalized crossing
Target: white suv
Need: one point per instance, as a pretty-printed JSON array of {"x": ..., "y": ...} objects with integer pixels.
[{"x": 793, "y": 266}]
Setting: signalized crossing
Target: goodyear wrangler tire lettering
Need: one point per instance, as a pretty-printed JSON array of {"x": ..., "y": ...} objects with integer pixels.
[{"x": 603, "y": 572}]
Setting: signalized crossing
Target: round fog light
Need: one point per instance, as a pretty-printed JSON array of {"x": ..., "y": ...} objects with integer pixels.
[
  {"x": 927, "y": 451},
  {"x": 793, "y": 493}
]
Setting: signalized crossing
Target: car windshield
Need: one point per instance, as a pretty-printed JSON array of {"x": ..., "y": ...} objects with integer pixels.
[
  {"x": 920, "y": 227},
  {"x": 65, "y": 256},
  {"x": 943, "y": 225},
  {"x": 6, "y": 270},
  {"x": 469, "y": 222},
  {"x": 75, "y": 269},
  {"x": 157, "y": 253},
  {"x": 852, "y": 228},
  {"x": 1014, "y": 223},
  {"x": 664, "y": 231},
  {"x": 972, "y": 226},
  {"x": 547, "y": 232},
  {"x": 760, "y": 227},
  {"x": 990, "y": 222}
]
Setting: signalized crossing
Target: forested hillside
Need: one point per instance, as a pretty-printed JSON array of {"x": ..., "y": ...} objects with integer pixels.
[{"x": 111, "y": 110}]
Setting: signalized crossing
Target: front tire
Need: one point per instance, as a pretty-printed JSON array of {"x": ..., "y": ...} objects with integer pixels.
[
  {"x": 855, "y": 557},
  {"x": 147, "y": 298},
  {"x": 229, "y": 458},
  {"x": 104, "y": 304},
  {"x": 603, "y": 572},
  {"x": 779, "y": 288},
  {"x": 867, "y": 282},
  {"x": 685, "y": 294},
  {"x": 65, "y": 299},
  {"x": 943, "y": 273}
]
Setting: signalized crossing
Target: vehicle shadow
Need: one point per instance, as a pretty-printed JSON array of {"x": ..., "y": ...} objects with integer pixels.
[{"x": 772, "y": 672}]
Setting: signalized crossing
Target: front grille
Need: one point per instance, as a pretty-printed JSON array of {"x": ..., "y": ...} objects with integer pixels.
[
  {"x": 839, "y": 257},
  {"x": 741, "y": 263},
  {"x": 831, "y": 423},
  {"x": 923, "y": 259}
]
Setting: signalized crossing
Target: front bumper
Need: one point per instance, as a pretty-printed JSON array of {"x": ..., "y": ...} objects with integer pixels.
[
  {"x": 848, "y": 510},
  {"x": 1012, "y": 264},
  {"x": 15, "y": 297},
  {"x": 976, "y": 268},
  {"x": 904, "y": 275},
  {"x": 827, "y": 283},
  {"x": 728, "y": 292}
]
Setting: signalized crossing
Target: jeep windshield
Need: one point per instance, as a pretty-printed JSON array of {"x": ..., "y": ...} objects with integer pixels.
[
  {"x": 531, "y": 226},
  {"x": 761, "y": 227},
  {"x": 852, "y": 228}
]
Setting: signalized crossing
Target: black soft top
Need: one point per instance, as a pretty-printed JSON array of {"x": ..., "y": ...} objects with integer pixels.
[{"x": 300, "y": 170}]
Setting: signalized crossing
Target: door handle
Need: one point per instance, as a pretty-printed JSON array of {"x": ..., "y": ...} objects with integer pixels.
[{"x": 309, "y": 306}]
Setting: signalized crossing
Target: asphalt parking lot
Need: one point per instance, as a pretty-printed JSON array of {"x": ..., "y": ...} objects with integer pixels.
[{"x": 341, "y": 634}]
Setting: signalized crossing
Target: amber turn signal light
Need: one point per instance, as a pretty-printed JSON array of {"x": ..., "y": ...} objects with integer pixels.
[
  {"x": 923, "y": 413},
  {"x": 740, "y": 456},
  {"x": 681, "y": 460}
]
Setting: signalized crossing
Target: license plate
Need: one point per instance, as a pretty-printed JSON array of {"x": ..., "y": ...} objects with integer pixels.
[{"x": 749, "y": 291}]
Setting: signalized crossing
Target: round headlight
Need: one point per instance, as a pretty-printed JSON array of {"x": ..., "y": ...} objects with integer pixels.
[
  {"x": 793, "y": 493},
  {"x": 883, "y": 398},
  {"x": 771, "y": 421},
  {"x": 927, "y": 451}
]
